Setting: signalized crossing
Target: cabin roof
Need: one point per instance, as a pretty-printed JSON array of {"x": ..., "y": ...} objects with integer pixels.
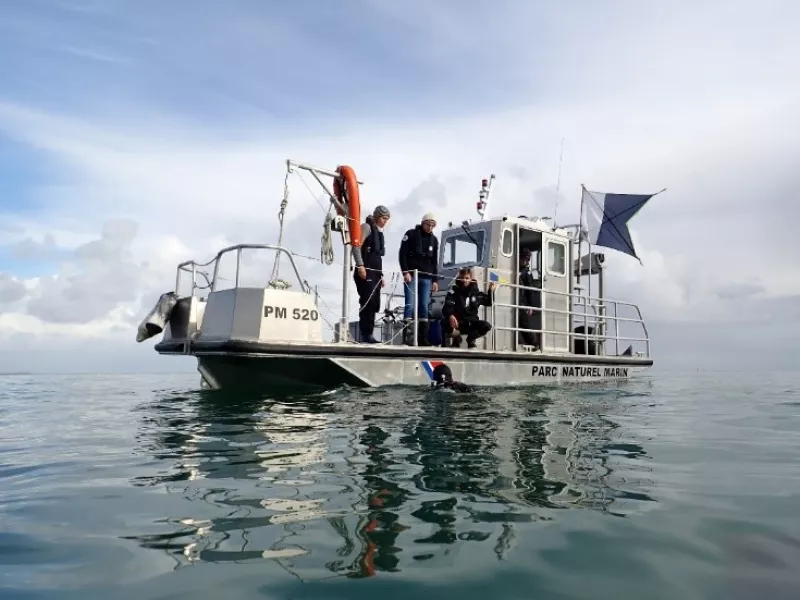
[{"x": 535, "y": 223}]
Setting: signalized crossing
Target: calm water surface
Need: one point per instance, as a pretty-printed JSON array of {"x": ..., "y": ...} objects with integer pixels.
[{"x": 675, "y": 486}]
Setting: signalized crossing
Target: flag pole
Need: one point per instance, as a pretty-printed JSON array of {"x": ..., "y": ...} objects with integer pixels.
[{"x": 580, "y": 236}]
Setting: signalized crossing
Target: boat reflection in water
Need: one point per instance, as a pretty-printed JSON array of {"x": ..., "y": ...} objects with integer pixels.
[{"x": 355, "y": 484}]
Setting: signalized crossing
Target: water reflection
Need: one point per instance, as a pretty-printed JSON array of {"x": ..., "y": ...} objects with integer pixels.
[{"x": 358, "y": 484}]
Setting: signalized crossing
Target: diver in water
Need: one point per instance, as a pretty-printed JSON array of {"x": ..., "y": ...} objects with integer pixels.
[{"x": 443, "y": 380}]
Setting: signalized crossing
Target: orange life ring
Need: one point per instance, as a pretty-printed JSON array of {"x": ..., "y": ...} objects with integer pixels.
[{"x": 348, "y": 195}]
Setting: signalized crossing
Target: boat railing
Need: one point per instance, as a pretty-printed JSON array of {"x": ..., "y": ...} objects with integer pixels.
[
  {"x": 200, "y": 279},
  {"x": 599, "y": 318},
  {"x": 589, "y": 311}
]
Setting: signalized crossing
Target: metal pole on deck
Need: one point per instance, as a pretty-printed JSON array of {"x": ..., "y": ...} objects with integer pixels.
[
  {"x": 291, "y": 165},
  {"x": 601, "y": 328},
  {"x": 344, "y": 328},
  {"x": 416, "y": 307},
  {"x": 580, "y": 238},
  {"x": 238, "y": 264},
  {"x": 587, "y": 302}
]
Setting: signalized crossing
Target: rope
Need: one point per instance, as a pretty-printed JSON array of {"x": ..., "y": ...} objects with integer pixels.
[
  {"x": 326, "y": 249},
  {"x": 374, "y": 289},
  {"x": 284, "y": 203},
  {"x": 279, "y": 284}
]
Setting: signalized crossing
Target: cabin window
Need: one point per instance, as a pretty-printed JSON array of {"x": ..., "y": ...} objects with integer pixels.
[
  {"x": 507, "y": 243},
  {"x": 556, "y": 258},
  {"x": 464, "y": 248}
]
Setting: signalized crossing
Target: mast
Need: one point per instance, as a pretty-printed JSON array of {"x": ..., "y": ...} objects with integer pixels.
[
  {"x": 342, "y": 225},
  {"x": 483, "y": 195}
]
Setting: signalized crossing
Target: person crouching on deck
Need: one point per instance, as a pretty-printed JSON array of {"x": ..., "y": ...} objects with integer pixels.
[
  {"x": 368, "y": 274},
  {"x": 460, "y": 310}
]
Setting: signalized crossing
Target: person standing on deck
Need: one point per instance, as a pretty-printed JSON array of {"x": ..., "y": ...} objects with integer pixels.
[
  {"x": 527, "y": 317},
  {"x": 419, "y": 250},
  {"x": 368, "y": 274}
]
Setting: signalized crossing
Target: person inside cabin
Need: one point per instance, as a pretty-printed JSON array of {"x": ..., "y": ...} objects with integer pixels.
[
  {"x": 528, "y": 318},
  {"x": 460, "y": 310},
  {"x": 368, "y": 274},
  {"x": 419, "y": 250}
]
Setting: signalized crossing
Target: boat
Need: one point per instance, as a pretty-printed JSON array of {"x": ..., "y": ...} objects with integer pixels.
[{"x": 273, "y": 335}]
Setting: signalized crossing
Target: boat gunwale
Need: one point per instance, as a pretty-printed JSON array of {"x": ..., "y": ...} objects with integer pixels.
[{"x": 335, "y": 350}]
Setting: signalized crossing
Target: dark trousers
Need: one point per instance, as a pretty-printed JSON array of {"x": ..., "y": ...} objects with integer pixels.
[
  {"x": 529, "y": 321},
  {"x": 369, "y": 301},
  {"x": 471, "y": 328}
]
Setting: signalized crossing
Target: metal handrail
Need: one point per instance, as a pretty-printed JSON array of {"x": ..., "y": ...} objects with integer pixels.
[
  {"x": 182, "y": 267},
  {"x": 590, "y": 316},
  {"x": 581, "y": 300},
  {"x": 591, "y": 336}
]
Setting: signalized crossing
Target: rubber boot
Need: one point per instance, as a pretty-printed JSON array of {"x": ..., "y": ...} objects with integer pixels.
[
  {"x": 422, "y": 333},
  {"x": 408, "y": 333},
  {"x": 366, "y": 326}
]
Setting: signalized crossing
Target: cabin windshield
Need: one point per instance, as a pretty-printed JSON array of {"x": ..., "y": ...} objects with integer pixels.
[{"x": 464, "y": 248}]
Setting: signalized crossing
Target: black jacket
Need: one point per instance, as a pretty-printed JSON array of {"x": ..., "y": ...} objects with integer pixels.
[
  {"x": 463, "y": 301},
  {"x": 373, "y": 248},
  {"x": 528, "y": 297},
  {"x": 420, "y": 250}
]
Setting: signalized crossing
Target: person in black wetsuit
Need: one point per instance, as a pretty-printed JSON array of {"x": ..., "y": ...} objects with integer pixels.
[
  {"x": 443, "y": 380},
  {"x": 368, "y": 274},
  {"x": 527, "y": 317},
  {"x": 460, "y": 310}
]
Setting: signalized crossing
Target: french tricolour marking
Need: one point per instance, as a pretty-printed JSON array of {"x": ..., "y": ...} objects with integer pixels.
[{"x": 430, "y": 365}]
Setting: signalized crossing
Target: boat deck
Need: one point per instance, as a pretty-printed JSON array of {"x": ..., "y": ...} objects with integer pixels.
[{"x": 388, "y": 352}]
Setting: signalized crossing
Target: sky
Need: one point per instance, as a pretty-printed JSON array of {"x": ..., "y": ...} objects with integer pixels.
[{"x": 136, "y": 135}]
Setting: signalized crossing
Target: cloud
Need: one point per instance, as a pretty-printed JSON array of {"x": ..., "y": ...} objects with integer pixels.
[
  {"x": 100, "y": 278},
  {"x": 30, "y": 249},
  {"x": 11, "y": 289},
  {"x": 182, "y": 152}
]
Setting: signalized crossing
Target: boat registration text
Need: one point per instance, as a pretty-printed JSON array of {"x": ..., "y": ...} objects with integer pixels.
[
  {"x": 578, "y": 372},
  {"x": 298, "y": 314}
]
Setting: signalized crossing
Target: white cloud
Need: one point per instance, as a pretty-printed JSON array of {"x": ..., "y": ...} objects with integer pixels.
[{"x": 664, "y": 105}]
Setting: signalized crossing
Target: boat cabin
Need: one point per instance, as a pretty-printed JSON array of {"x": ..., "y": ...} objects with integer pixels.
[
  {"x": 492, "y": 249},
  {"x": 568, "y": 316}
]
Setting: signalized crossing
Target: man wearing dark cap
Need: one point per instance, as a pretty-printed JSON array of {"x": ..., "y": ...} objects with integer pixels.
[
  {"x": 528, "y": 318},
  {"x": 368, "y": 274}
]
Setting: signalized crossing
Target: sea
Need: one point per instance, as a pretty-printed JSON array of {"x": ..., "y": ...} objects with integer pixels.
[{"x": 675, "y": 485}]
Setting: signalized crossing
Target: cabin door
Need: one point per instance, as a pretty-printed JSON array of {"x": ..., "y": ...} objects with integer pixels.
[
  {"x": 503, "y": 314},
  {"x": 555, "y": 294}
]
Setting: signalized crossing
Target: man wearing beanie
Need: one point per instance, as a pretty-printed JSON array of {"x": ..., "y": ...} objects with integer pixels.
[
  {"x": 419, "y": 250},
  {"x": 368, "y": 274}
]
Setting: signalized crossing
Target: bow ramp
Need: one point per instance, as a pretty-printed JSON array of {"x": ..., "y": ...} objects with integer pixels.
[{"x": 267, "y": 332}]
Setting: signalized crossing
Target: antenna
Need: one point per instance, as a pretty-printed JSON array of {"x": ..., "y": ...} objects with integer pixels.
[{"x": 558, "y": 183}]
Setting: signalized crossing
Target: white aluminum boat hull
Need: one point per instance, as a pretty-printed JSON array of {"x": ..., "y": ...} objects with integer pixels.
[{"x": 327, "y": 366}]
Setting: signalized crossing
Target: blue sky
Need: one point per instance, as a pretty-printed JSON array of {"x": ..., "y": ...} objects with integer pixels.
[
  {"x": 220, "y": 62},
  {"x": 134, "y": 135}
]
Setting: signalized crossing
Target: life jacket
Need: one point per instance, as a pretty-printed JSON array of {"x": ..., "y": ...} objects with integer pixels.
[{"x": 374, "y": 248}]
